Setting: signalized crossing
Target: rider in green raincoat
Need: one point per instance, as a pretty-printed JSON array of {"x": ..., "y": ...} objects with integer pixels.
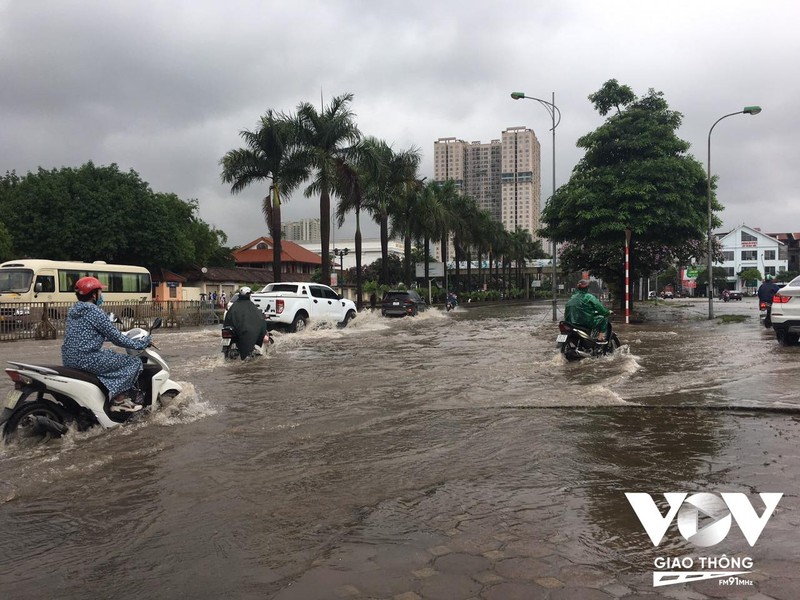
[{"x": 584, "y": 310}]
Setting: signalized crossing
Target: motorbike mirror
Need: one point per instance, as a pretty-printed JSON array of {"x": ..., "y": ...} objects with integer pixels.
[
  {"x": 156, "y": 324},
  {"x": 113, "y": 318}
]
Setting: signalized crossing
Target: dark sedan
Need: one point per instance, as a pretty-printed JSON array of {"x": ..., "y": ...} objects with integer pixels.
[{"x": 399, "y": 303}]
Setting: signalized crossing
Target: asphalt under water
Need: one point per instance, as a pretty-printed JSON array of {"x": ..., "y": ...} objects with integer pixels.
[{"x": 452, "y": 455}]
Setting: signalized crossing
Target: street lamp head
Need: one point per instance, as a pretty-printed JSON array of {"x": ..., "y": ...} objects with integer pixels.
[
  {"x": 751, "y": 110},
  {"x": 517, "y": 95}
]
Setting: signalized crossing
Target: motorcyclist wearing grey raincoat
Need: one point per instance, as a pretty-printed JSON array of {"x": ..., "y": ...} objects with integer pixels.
[
  {"x": 248, "y": 323},
  {"x": 584, "y": 310}
]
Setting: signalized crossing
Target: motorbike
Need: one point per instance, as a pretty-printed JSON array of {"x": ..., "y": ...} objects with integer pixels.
[
  {"x": 451, "y": 304},
  {"x": 230, "y": 347},
  {"x": 765, "y": 313},
  {"x": 576, "y": 342},
  {"x": 47, "y": 399}
]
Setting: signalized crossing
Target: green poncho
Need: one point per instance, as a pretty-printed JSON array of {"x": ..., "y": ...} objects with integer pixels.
[{"x": 584, "y": 310}]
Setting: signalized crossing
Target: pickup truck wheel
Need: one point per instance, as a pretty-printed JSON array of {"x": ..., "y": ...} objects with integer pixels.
[
  {"x": 351, "y": 314},
  {"x": 299, "y": 323}
]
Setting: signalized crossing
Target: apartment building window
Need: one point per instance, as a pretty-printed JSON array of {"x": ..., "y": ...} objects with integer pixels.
[
  {"x": 727, "y": 255},
  {"x": 749, "y": 254},
  {"x": 769, "y": 271},
  {"x": 769, "y": 254},
  {"x": 746, "y": 237},
  {"x": 728, "y": 271}
]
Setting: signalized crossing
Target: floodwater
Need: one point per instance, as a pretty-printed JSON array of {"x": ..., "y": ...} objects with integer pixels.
[{"x": 452, "y": 455}]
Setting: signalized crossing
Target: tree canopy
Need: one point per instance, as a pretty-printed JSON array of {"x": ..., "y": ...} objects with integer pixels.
[
  {"x": 636, "y": 174},
  {"x": 101, "y": 213}
]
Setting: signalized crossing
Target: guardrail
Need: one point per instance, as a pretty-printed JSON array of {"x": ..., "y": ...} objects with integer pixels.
[{"x": 47, "y": 320}]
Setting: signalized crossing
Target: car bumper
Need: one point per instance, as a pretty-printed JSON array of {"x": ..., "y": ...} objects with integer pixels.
[
  {"x": 397, "y": 311},
  {"x": 788, "y": 325}
]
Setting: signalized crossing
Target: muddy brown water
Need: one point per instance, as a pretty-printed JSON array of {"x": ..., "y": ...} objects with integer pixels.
[{"x": 348, "y": 461}]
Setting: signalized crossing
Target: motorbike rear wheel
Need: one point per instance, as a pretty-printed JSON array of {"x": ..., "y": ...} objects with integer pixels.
[{"x": 25, "y": 424}]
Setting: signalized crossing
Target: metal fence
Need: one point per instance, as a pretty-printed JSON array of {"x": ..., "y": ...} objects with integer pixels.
[{"x": 47, "y": 320}]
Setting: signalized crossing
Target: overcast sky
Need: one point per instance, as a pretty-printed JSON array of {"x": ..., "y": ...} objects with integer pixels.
[{"x": 164, "y": 87}]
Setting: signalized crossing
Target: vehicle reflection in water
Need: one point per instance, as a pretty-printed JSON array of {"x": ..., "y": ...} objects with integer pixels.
[{"x": 355, "y": 451}]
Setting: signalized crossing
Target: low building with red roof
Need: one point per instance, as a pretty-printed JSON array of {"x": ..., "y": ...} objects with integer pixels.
[{"x": 295, "y": 260}]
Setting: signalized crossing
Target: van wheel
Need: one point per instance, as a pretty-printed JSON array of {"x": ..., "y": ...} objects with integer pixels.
[{"x": 299, "y": 323}]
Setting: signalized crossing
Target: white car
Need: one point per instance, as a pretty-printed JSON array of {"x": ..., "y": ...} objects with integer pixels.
[{"x": 785, "y": 313}]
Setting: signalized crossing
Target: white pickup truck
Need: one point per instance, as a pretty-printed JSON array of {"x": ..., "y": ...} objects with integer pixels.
[{"x": 292, "y": 305}]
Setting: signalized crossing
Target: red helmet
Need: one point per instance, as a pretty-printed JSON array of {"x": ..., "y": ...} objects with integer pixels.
[{"x": 86, "y": 285}]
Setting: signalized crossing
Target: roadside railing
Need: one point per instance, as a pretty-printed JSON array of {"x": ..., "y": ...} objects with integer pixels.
[{"x": 47, "y": 320}]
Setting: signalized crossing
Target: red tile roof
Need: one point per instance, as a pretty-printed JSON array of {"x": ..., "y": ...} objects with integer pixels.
[{"x": 290, "y": 253}]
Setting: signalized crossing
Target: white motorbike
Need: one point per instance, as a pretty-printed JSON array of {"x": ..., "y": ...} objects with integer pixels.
[{"x": 47, "y": 399}]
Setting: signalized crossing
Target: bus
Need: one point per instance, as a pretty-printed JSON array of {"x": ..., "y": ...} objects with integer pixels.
[{"x": 36, "y": 281}]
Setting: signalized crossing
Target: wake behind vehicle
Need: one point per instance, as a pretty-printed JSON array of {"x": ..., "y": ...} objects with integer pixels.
[
  {"x": 291, "y": 305},
  {"x": 576, "y": 342},
  {"x": 47, "y": 399},
  {"x": 401, "y": 303}
]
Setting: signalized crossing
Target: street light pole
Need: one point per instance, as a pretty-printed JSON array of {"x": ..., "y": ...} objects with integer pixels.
[
  {"x": 552, "y": 109},
  {"x": 341, "y": 253},
  {"x": 747, "y": 110}
]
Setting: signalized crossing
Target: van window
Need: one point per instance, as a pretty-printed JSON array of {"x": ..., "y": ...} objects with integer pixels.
[{"x": 48, "y": 283}]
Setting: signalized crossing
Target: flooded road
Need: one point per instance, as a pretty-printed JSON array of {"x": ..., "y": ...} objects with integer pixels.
[{"x": 452, "y": 455}]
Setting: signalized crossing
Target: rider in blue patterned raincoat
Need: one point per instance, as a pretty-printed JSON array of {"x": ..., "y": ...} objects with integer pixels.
[{"x": 87, "y": 328}]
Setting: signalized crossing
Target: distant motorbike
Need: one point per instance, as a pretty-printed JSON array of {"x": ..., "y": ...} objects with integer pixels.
[
  {"x": 47, "y": 399},
  {"x": 230, "y": 347},
  {"x": 576, "y": 342},
  {"x": 451, "y": 304}
]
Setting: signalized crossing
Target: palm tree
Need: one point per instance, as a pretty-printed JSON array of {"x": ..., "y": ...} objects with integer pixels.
[
  {"x": 404, "y": 221},
  {"x": 462, "y": 213},
  {"x": 329, "y": 137},
  {"x": 482, "y": 237},
  {"x": 272, "y": 154},
  {"x": 350, "y": 185},
  {"x": 430, "y": 219}
]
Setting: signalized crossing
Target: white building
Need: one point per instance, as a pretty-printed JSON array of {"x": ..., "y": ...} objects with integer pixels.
[
  {"x": 370, "y": 250},
  {"x": 304, "y": 230},
  {"x": 744, "y": 248}
]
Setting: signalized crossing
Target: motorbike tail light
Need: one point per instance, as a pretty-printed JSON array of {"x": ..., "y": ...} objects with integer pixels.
[
  {"x": 778, "y": 299},
  {"x": 226, "y": 333},
  {"x": 762, "y": 306},
  {"x": 17, "y": 378},
  {"x": 279, "y": 305},
  {"x": 564, "y": 328}
]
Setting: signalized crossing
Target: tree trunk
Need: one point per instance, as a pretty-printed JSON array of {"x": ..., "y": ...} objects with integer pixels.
[
  {"x": 276, "y": 234},
  {"x": 407, "y": 258},
  {"x": 458, "y": 266},
  {"x": 384, "y": 248},
  {"x": 325, "y": 234},
  {"x": 359, "y": 290}
]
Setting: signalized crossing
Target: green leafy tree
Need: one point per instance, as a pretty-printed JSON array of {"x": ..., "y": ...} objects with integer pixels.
[
  {"x": 98, "y": 213},
  {"x": 636, "y": 174},
  {"x": 6, "y": 245},
  {"x": 750, "y": 275},
  {"x": 720, "y": 278},
  {"x": 271, "y": 153}
]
